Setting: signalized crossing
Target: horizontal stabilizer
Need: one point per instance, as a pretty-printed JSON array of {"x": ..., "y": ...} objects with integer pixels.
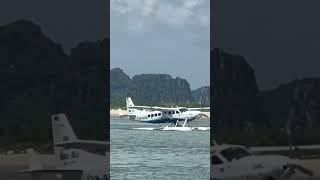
[{"x": 61, "y": 174}]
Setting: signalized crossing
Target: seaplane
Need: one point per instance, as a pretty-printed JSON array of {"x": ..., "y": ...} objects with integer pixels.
[
  {"x": 74, "y": 158},
  {"x": 236, "y": 162},
  {"x": 166, "y": 115}
]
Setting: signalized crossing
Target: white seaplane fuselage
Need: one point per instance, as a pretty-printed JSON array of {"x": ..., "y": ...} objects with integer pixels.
[
  {"x": 158, "y": 117},
  {"x": 235, "y": 162},
  {"x": 164, "y": 115}
]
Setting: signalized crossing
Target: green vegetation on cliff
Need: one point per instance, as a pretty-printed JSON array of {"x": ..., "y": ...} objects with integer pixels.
[{"x": 154, "y": 89}]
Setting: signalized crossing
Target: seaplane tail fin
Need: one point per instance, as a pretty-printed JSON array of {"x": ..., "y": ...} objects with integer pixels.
[
  {"x": 129, "y": 102},
  {"x": 34, "y": 161},
  {"x": 62, "y": 131}
]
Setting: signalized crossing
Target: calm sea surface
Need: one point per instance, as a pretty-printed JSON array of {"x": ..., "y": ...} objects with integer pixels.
[{"x": 143, "y": 154}]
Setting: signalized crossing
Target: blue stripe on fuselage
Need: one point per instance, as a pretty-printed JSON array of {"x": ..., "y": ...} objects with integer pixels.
[{"x": 165, "y": 120}]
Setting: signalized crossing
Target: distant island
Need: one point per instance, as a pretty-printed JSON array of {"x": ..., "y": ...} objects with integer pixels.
[{"x": 155, "y": 89}]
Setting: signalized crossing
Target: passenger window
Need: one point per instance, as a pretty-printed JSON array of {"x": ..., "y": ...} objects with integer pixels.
[
  {"x": 159, "y": 114},
  {"x": 177, "y": 112},
  {"x": 148, "y": 115},
  {"x": 216, "y": 160},
  {"x": 63, "y": 155},
  {"x": 155, "y": 114},
  {"x": 151, "y": 115},
  {"x": 74, "y": 154}
]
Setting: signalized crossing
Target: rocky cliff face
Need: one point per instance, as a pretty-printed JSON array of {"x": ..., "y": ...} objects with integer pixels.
[
  {"x": 202, "y": 95},
  {"x": 297, "y": 102},
  {"x": 235, "y": 93},
  {"x": 30, "y": 64},
  {"x": 119, "y": 86},
  {"x": 148, "y": 88},
  {"x": 28, "y": 58},
  {"x": 86, "y": 87},
  {"x": 39, "y": 79},
  {"x": 292, "y": 108},
  {"x": 160, "y": 88}
]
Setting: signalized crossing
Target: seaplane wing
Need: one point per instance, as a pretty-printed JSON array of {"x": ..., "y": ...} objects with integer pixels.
[
  {"x": 130, "y": 105},
  {"x": 155, "y": 108},
  {"x": 283, "y": 148},
  {"x": 199, "y": 109},
  {"x": 97, "y": 147},
  {"x": 297, "y": 151},
  {"x": 164, "y": 109}
]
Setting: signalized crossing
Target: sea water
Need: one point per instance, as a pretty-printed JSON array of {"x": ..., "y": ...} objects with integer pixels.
[{"x": 144, "y": 154}]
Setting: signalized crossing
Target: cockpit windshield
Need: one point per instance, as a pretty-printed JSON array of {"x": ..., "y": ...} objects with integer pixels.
[
  {"x": 183, "y": 110},
  {"x": 235, "y": 153}
]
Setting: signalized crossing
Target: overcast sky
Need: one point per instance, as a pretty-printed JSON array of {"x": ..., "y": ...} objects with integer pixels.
[
  {"x": 162, "y": 36},
  {"x": 280, "y": 39},
  {"x": 65, "y": 21}
]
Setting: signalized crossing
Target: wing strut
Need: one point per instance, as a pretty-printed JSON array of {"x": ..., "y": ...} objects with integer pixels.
[
  {"x": 185, "y": 121},
  {"x": 176, "y": 123}
]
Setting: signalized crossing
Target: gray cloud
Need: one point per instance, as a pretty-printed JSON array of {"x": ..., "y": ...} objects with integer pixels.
[
  {"x": 280, "y": 39},
  {"x": 143, "y": 14},
  {"x": 67, "y": 22},
  {"x": 162, "y": 36}
]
